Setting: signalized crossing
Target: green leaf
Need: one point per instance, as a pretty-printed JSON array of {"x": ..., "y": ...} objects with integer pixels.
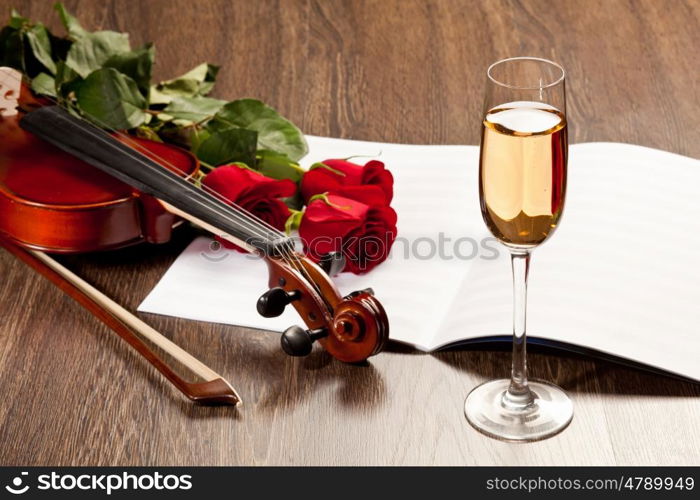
[
  {"x": 66, "y": 79},
  {"x": 275, "y": 132},
  {"x": 193, "y": 109},
  {"x": 38, "y": 39},
  {"x": 12, "y": 53},
  {"x": 19, "y": 41},
  {"x": 197, "y": 137},
  {"x": 208, "y": 84},
  {"x": 44, "y": 84},
  {"x": 229, "y": 145},
  {"x": 136, "y": 64},
  {"x": 65, "y": 73},
  {"x": 204, "y": 75},
  {"x": 203, "y": 72},
  {"x": 16, "y": 20},
  {"x": 197, "y": 82},
  {"x": 179, "y": 88},
  {"x": 147, "y": 133},
  {"x": 278, "y": 166},
  {"x": 59, "y": 47},
  {"x": 186, "y": 137},
  {"x": 294, "y": 221},
  {"x": 73, "y": 27},
  {"x": 92, "y": 50},
  {"x": 112, "y": 100}
]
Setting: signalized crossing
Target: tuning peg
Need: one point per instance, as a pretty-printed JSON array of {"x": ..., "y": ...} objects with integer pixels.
[
  {"x": 332, "y": 263},
  {"x": 298, "y": 342},
  {"x": 272, "y": 303}
]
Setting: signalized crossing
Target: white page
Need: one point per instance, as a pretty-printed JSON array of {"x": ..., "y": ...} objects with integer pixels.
[
  {"x": 621, "y": 272},
  {"x": 434, "y": 191}
]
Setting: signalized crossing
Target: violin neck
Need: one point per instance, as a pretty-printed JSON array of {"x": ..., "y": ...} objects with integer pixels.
[{"x": 101, "y": 150}]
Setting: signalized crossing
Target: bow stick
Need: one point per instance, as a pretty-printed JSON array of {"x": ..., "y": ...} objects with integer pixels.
[{"x": 214, "y": 390}]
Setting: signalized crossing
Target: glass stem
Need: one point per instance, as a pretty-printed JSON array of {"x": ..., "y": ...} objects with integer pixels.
[{"x": 518, "y": 395}]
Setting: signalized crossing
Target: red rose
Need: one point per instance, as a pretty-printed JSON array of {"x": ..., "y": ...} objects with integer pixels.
[
  {"x": 363, "y": 233},
  {"x": 372, "y": 184},
  {"x": 253, "y": 192}
]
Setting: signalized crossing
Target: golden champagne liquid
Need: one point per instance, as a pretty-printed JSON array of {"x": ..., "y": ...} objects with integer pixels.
[{"x": 522, "y": 172}]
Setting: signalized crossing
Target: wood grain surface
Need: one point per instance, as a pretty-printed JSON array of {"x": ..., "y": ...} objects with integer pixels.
[{"x": 387, "y": 70}]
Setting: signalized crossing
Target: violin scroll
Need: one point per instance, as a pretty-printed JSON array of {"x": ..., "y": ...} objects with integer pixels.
[
  {"x": 360, "y": 328},
  {"x": 350, "y": 328}
]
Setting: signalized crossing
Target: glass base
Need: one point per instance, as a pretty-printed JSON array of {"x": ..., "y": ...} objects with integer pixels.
[{"x": 549, "y": 413}]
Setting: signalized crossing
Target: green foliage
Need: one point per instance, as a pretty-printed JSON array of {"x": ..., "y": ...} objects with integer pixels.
[
  {"x": 294, "y": 221},
  {"x": 71, "y": 24},
  {"x": 11, "y": 48},
  {"x": 44, "y": 84},
  {"x": 192, "y": 109},
  {"x": 278, "y": 166},
  {"x": 38, "y": 39},
  {"x": 93, "y": 50},
  {"x": 99, "y": 76},
  {"x": 229, "y": 145},
  {"x": 136, "y": 64},
  {"x": 111, "y": 99},
  {"x": 66, "y": 79},
  {"x": 195, "y": 83},
  {"x": 275, "y": 132},
  {"x": 17, "y": 21}
]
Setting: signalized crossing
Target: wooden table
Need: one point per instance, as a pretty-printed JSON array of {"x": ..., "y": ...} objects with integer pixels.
[{"x": 401, "y": 71}]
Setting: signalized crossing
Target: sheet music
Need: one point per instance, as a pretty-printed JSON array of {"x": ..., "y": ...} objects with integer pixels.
[{"x": 619, "y": 275}]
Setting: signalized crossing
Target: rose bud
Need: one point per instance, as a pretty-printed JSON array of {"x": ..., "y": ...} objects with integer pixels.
[
  {"x": 363, "y": 233},
  {"x": 253, "y": 192},
  {"x": 370, "y": 183}
]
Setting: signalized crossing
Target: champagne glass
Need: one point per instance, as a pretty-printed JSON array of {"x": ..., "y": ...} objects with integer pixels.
[{"x": 522, "y": 183}]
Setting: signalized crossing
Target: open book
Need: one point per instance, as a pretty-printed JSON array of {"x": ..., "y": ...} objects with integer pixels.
[{"x": 620, "y": 276}]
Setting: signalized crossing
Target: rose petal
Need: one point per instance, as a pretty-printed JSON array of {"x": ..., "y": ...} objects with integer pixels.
[
  {"x": 363, "y": 233},
  {"x": 317, "y": 181},
  {"x": 369, "y": 195},
  {"x": 352, "y": 171},
  {"x": 375, "y": 173}
]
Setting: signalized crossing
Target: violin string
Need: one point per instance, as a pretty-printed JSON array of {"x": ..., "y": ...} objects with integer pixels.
[
  {"x": 100, "y": 135},
  {"x": 250, "y": 224},
  {"x": 286, "y": 253},
  {"x": 248, "y": 219}
]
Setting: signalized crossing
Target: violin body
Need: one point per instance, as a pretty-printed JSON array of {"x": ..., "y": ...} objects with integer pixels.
[{"x": 54, "y": 202}]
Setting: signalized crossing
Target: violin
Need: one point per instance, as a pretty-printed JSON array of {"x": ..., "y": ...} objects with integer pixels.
[{"x": 67, "y": 186}]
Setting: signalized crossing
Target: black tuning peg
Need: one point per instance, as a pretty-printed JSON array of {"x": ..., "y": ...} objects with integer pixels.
[
  {"x": 298, "y": 342},
  {"x": 272, "y": 303},
  {"x": 332, "y": 263}
]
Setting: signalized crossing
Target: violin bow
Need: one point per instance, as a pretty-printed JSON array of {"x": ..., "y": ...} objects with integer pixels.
[{"x": 214, "y": 390}]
